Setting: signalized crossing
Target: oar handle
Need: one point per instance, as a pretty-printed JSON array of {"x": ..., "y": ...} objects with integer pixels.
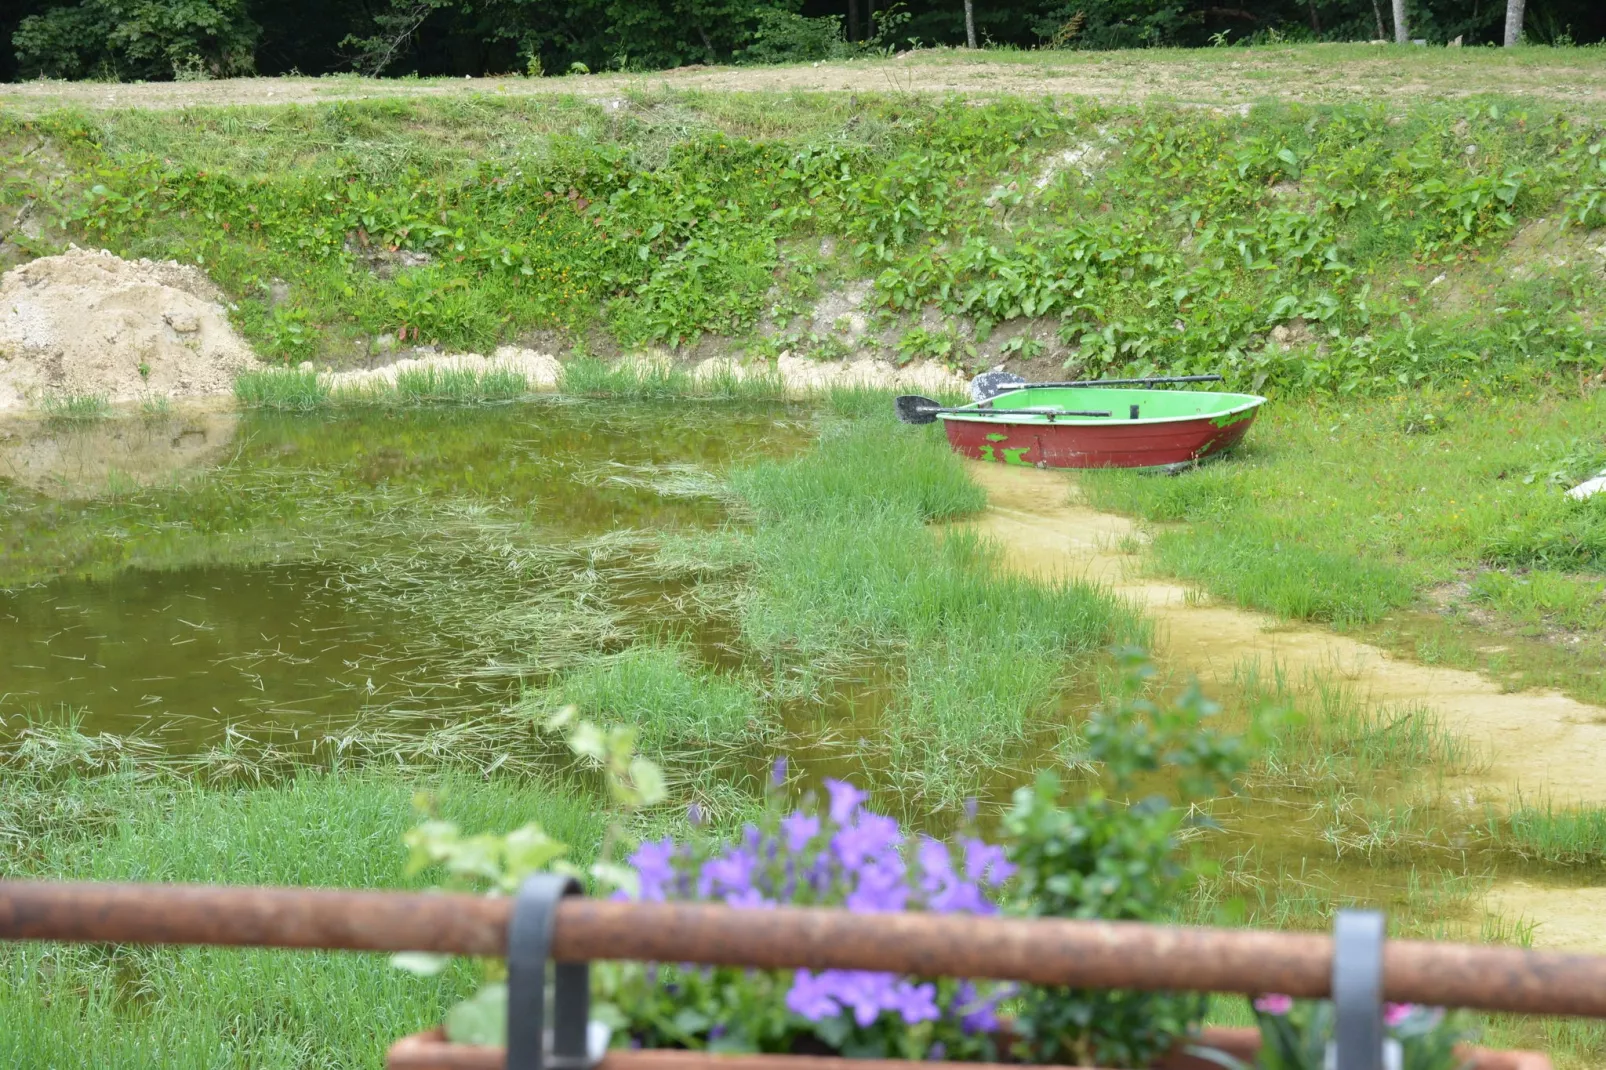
[
  {"x": 1152, "y": 381},
  {"x": 1052, "y": 414}
]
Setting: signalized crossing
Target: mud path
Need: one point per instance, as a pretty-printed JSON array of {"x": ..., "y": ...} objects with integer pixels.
[{"x": 1539, "y": 744}]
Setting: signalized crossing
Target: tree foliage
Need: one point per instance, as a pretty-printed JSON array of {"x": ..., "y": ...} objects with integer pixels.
[{"x": 149, "y": 39}]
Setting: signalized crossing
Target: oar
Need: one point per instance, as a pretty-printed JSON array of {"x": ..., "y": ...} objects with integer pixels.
[
  {"x": 991, "y": 384},
  {"x": 914, "y": 409}
]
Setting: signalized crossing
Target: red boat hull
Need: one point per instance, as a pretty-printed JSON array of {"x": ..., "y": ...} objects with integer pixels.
[{"x": 1142, "y": 444}]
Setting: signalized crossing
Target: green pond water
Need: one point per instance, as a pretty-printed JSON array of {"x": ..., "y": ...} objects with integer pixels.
[{"x": 313, "y": 572}]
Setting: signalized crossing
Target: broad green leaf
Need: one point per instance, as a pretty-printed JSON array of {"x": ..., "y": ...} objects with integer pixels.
[
  {"x": 480, "y": 1019},
  {"x": 422, "y": 963}
]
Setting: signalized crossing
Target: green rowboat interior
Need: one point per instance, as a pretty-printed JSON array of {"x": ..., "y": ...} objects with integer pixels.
[{"x": 1156, "y": 406}]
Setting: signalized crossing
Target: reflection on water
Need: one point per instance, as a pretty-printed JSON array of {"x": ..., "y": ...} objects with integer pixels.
[
  {"x": 411, "y": 562},
  {"x": 72, "y": 460}
]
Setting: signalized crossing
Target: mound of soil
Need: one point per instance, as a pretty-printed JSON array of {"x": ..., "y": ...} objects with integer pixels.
[{"x": 89, "y": 322}]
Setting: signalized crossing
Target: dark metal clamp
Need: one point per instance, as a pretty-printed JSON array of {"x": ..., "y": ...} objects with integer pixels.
[
  {"x": 530, "y": 1044},
  {"x": 1358, "y": 991}
]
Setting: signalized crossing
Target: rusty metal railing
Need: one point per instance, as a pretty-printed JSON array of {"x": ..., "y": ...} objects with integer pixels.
[{"x": 1043, "y": 951}]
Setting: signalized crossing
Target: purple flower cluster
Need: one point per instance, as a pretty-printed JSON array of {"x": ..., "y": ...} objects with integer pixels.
[{"x": 855, "y": 858}]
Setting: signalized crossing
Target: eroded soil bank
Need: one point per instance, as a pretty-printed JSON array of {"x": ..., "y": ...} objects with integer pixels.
[{"x": 1535, "y": 744}]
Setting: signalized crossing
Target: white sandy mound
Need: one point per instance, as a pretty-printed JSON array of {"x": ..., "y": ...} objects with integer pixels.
[
  {"x": 88, "y": 322},
  {"x": 541, "y": 369}
]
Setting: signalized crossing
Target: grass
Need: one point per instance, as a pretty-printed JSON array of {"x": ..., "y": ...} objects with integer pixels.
[
  {"x": 282, "y": 390},
  {"x": 459, "y": 386},
  {"x": 1342, "y": 512},
  {"x": 74, "y": 408},
  {"x": 295, "y": 390},
  {"x": 1571, "y": 838},
  {"x": 1539, "y": 600},
  {"x": 845, "y": 567},
  {"x": 659, "y": 380},
  {"x": 675, "y": 703},
  {"x": 204, "y": 1007}
]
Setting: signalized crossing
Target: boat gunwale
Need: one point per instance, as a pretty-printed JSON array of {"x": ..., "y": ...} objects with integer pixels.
[{"x": 972, "y": 414}]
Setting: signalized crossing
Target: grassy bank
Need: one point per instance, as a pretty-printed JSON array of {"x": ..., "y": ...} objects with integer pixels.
[
  {"x": 132, "y": 1007},
  {"x": 1435, "y": 523},
  {"x": 1294, "y": 247}
]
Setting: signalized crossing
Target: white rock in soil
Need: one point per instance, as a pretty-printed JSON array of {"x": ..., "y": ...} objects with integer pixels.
[{"x": 1589, "y": 488}]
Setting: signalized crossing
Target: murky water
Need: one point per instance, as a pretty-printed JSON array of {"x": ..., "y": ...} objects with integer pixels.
[{"x": 308, "y": 572}]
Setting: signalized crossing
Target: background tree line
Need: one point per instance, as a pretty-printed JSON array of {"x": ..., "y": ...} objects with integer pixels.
[{"x": 158, "y": 39}]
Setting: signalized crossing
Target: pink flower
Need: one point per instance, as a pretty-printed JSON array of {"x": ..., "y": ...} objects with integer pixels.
[
  {"x": 1396, "y": 1013},
  {"x": 1275, "y": 1004}
]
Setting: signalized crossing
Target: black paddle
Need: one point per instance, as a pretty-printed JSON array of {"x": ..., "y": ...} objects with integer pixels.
[
  {"x": 991, "y": 384},
  {"x": 914, "y": 409}
]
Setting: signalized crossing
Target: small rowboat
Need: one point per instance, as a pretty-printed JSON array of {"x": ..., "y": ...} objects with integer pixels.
[{"x": 1066, "y": 426}]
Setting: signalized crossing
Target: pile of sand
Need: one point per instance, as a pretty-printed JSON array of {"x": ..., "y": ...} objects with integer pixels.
[{"x": 88, "y": 322}]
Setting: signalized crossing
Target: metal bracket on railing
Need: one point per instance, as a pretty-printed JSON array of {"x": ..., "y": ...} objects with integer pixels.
[
  {"x": 529, "y": 948},
  {"x": 1358, "y": 990}
]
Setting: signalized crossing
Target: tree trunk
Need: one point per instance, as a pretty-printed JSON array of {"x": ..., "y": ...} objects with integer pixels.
[
  {"x": 1514, "y": 21},
  {"x": 853, "y": 20},
  {"x": 970, "y": 24},
  {"x": 1315, "y": 22},
  {"x": 869, "y": 20},
  {"x": 1377, "y": 13},
  {"x": 1402, "y": 32}
]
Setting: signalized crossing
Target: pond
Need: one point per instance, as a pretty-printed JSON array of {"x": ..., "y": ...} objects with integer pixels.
[{"x": 318, "y": 571}]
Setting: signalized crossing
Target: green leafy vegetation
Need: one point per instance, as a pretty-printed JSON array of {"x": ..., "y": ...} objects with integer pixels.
[{"x": 1294, "y": 249}]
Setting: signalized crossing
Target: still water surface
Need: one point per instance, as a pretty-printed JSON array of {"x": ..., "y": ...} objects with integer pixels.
[{"x": 318, "y": 570}]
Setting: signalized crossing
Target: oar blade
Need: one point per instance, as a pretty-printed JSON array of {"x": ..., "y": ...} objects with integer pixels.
[
  {"x": 914, "y": 409},
  {"x": 989, "y": 385}
]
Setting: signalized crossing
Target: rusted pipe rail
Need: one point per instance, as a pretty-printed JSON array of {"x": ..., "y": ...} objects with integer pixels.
[{"x": 1043, "y": 951}]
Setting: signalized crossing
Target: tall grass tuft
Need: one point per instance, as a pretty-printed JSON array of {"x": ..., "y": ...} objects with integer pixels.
[
  {"x": 645, "y": 379},
  {"x": 870, "y": 466},
  {"x": 1563, "y": 837},
  {"x": 75, "y": 408},
  {"x": 655, "y": 380},
  {"x": 844, "y": 567},
  {"x": 461, "y": 386},
  {"x": 283, "y": 390},
  {"x": 673, "y": 701}
]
